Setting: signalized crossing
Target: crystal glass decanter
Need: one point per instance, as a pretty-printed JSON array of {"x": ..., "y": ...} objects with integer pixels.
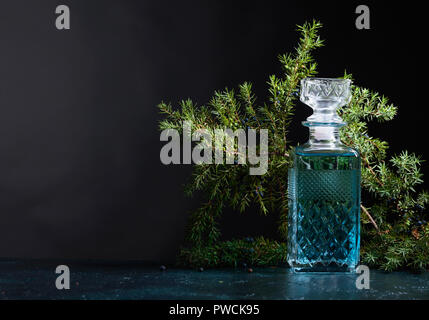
[{"x": 324, "y": 186}]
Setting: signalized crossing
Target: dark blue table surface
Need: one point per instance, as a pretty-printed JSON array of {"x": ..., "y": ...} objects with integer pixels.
[{"x": 95, "y": 280}]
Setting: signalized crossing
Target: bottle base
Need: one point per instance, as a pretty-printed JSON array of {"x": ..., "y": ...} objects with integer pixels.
[{"x": 323, "y": 268}]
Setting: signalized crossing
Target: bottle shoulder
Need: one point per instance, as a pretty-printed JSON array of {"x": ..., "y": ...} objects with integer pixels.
[
  {"x": 337, "y": 150},
  {"x": 317, "y": 159}
]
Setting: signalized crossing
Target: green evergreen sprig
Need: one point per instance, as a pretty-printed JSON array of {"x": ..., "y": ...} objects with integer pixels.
[
  {"x": 235, "y": 253},
  {"x": 395, "y": 229},
  {"x": 226, "y": 185}
]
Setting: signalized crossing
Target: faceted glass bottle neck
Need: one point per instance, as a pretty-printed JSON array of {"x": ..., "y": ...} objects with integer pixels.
[{"x": 324, "y": 136}]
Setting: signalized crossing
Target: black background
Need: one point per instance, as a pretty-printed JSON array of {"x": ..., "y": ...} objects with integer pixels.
[{"x": 80, "y": 175}]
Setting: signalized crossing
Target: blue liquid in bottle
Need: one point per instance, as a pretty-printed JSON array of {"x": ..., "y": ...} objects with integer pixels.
[{"x": 324, "y": 215}]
